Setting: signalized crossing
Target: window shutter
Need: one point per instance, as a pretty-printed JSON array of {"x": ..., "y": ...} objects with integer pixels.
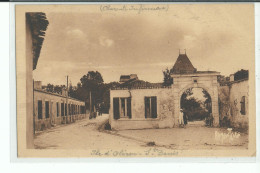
[
  {"x": 116, "y": 108},
  {"x": 66, "y": 109},
  {"x": 243, "y": 105},
  {"x": 154, "y": 107},
  {"x": 62, "y": 109},
  {"x": 129, "y": 113},
  {"x": 39, "y": 109},
  {"x": 147, "y": 107},
  {"x": 57, "y": 109},
  {"x": 46, "y": 109}
]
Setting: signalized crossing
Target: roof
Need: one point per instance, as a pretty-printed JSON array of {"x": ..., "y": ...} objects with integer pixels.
[
  {"x": 124, "y": 77},
  {"x": 136, "y": 83},
  {"x": 183, "y": 65},
  {"x": 56, "y": 94},
  {"x": 38, "y": 24}
]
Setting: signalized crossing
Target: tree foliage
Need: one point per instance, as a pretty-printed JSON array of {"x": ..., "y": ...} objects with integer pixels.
[
  {"x": 193, "y": 108},
  {"x": 241, "y": 74},
  {"x": 167, "y": 79},
  {"x": 92, "y": 83}
]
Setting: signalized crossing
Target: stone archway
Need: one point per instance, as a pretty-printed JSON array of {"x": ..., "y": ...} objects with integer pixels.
[{"x": 207, "y": 81}]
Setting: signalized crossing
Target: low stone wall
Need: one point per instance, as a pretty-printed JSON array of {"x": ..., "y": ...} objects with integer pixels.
[
  {"x": 223, "y": 102},
  {"x": 122, "y": 124}
]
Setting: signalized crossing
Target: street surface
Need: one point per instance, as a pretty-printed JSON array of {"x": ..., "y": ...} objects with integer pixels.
[{"x": 85, "y": 134}]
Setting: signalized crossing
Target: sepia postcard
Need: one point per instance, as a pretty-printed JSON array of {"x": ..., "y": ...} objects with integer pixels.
[{"x": 135, "y": 80}]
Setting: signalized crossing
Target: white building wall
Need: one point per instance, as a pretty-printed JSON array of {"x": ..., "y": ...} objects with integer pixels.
[
  {"x": 237, "y": 91},
  {"x": 53, "y": 99},
  {"x": 165, "y": 106}
]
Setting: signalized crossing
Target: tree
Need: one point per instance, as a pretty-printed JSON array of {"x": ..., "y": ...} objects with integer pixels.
[
  {"x": 167, "y": 80},
  {"x": 207, "y": 102},
  {"x": 192, "y": 107},
  {"x": 78, "y": 85},
  {"x": 93, "y": 83},
  {"x": 50, "y": 88},
  {"x": 92, "y": 79},
  {"x": 58, "y": 88},
  {"x": 242, "y": 74},
  {"x": 72, "y": 91}
]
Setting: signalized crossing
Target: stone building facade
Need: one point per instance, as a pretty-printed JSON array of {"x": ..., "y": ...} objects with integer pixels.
[
  {"x": 159, "y": 107},
  {"x": 51, "y": 109}
]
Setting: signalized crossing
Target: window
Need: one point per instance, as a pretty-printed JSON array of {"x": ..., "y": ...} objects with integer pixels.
[
  {"x": 66, "y": 108},
  {"x": 39, "y": 109},
  {"x": 62, "y": 109},
  {"x": 47, "y": 115},
  {"x": 150, "y": 107},
  {"x": 82, "y": 110},
  {"x": 243, "y": 105},
  {"x": 58, "y": 112},
  {"x": 122, "y": 108}
]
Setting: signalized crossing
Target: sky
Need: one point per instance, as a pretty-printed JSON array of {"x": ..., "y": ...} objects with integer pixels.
[{"x": 216, "y": 37}]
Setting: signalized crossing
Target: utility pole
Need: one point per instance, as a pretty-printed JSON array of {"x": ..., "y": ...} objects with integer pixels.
[
  {"x": 90, "y": 103},
  {"x": 67, "y": 94},
  {"x": 33, "y": 111}
]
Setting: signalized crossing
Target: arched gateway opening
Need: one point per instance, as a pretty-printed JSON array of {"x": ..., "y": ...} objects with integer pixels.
[
  {"x": 185, "y": 76},
  {"x": 196, "y": 105}
]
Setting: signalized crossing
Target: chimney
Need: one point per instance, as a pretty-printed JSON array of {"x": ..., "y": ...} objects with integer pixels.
[
  {"x": 232, "y": 77},
  {"x": 133, "y": 76},
  {"x": 38, "y": 85},
  {"x": 64, "y": 92}
]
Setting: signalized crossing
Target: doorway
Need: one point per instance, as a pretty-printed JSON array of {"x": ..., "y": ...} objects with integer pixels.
[{"x": 196, "y": 105}]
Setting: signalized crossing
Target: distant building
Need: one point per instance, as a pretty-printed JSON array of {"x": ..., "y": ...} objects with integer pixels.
[
  {"x": 125, "y": 78},
  {"x": 51, "y": 109}
]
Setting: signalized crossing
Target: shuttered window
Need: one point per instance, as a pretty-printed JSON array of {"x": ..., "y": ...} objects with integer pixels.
[
  {"x": 116, "y": 108},
  {"x": 39, "y": 109},
  {"x": 243, "y": 105},
  {"x": 69, "y": 109},
  {"x": 150, "y": 107},
  {"x": 47, "y": 113},
  {"x": 57, "y": 107},
  {"x": 62, "y": 109},
  {"x": 66, "y": 109},
  {"x": 129, "y": 112},
  {"x": 122, "y": 108}
]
